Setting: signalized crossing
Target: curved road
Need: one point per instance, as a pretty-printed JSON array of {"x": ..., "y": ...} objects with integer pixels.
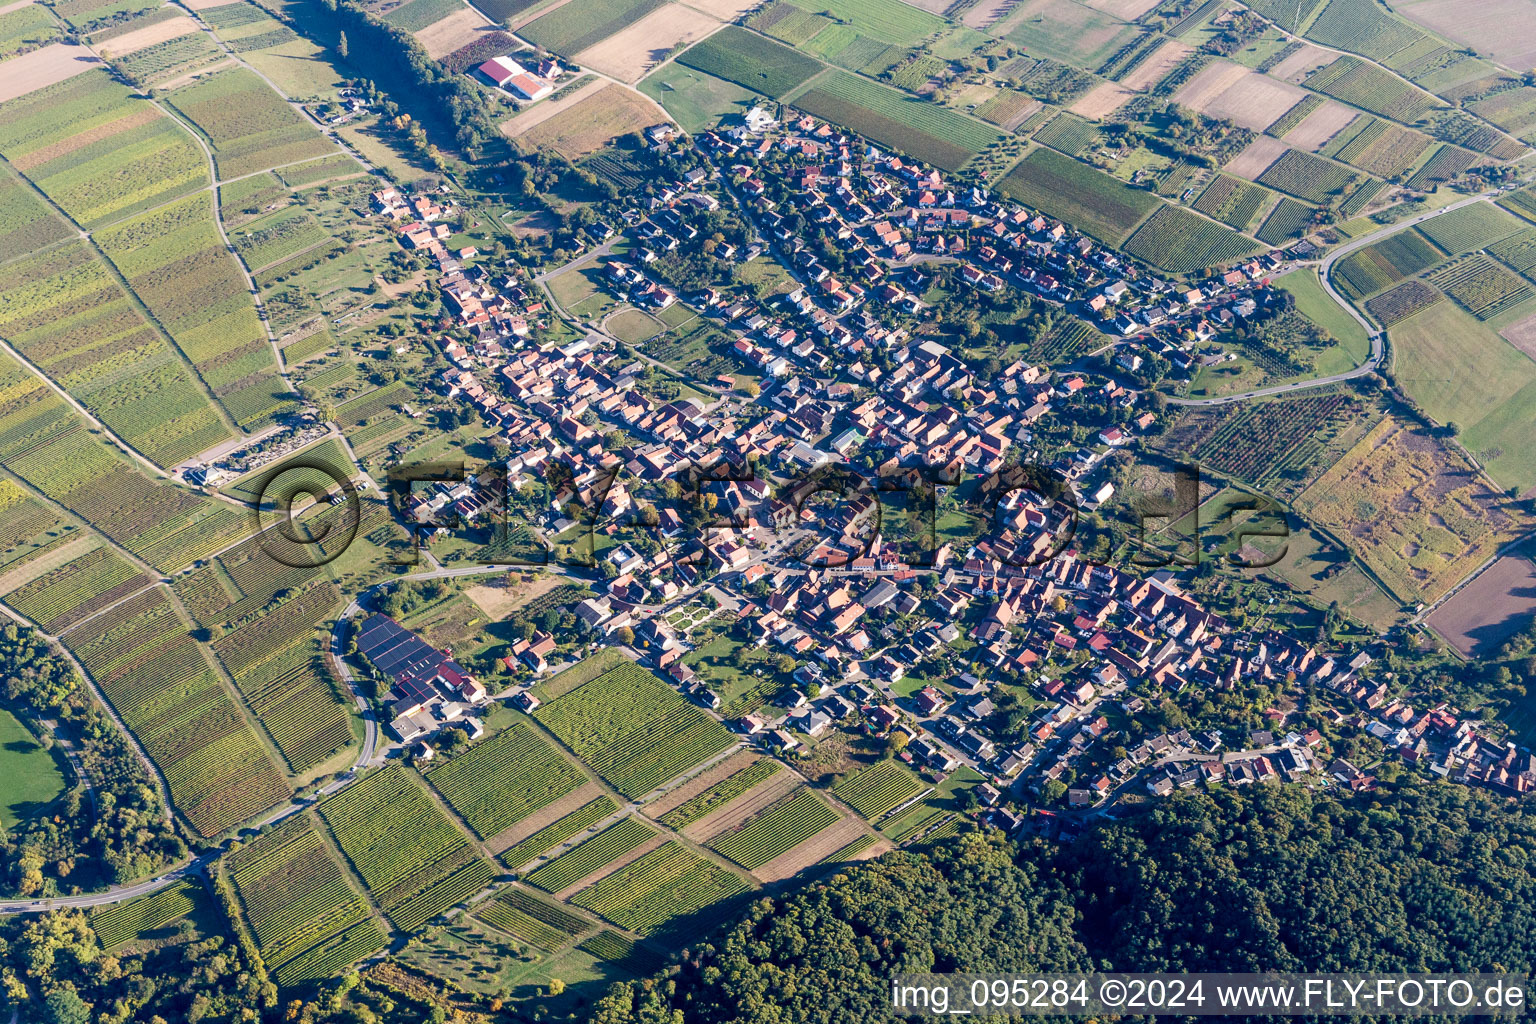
[
  {"x": 115, "y": 894},
  {"x": 1371, "y": 330}
]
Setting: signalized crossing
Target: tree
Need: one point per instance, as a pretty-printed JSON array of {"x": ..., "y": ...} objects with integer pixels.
[
  {"x": 896, "y": 742},
  {"x": 624, "y": 635},
  {"x": 556, "y": 986},
  {"x": 64, "y": 1006},
  {"x": 341, "y": 47}
]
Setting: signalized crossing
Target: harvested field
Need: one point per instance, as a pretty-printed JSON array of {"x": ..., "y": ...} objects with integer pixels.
[
  {"x": 750, "y": 803},
  {"x": 726, "y": 10},
  {"x": 454, "y": 32},
  {"x": 1502, "y": 29},
  {"x": 1104, "y": 98},
  {"x": 811, "y": 852},
  {"x": 1302, "y": 63},
  {"x": 631, "y": 52},
  {"x": 1490, "y": 609},
  {"x": 1319, "y": 126},
  {"x": 987, "y": 12},
  {"x": 546, "y": 815},
  {"x": 149, "y": 35},
  {"x": 1255, "y": 160},
  {"x": 1125, "y": 10},
  {"x": 499, "y": 602},
  {"x": 1152, "y": 70},
  {"x": 41, "y": 68},
  {"x": 701, "y": 782},
  {"x": 1522, "y": 335},
  {"x": 1232, "y": 92},
  {"x": 541, "y": 112},
  {"x": 931, "y": 6},
  {"x": 205, "y": 5},
  {"x": 594, "y": 122}
]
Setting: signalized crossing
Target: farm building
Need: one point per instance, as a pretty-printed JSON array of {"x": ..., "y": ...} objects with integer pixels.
[
  {"x": 421, "y": 675},
  {"x": 508, "y": 74}
]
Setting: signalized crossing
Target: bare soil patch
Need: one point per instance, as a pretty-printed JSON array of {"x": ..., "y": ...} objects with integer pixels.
[
  {"x": 725, "y": 10},
  {"x": 1126, "y": 10},
  {"x": 609, "y": 868},
  {"x": 813, "y": 851},
  {"x": 701, "y": 782},
  {"x": 1215, "y": 79},
  {"x": 149, "y": 35},
  {"x": 1244, "y": 97},
  {"x": 632, "y": 51},
  {"x": 987, "y": 12},
  {"x": 541, "y": 112},
  {"x": 1255, "y": 160},
  {"x": 457, "y": 30},
  {"x": 1522, "y": 335},
  {"x": 499, "y": 601},
  {"x": 595, "y": 122},
  {"x": 1104, "y": 98},
  {"x": 535, "y": 225},
  {"x": 222, "y": 64},
  {"x": 1319, "y": 126},
  {"x": 1152, "y": 70},
  {"x": 546, "y": 815},
  {"x": 18, "y": 5},
  {"x": 42, "y": 68},
  {"x": 1490, "y": 609},
  {"x": 1503, "y": 29},
  {"x": 1302, "y": 63},
  {"x": 753, "y": 802}
]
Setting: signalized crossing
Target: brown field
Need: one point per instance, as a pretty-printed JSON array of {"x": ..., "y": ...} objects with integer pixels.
[
  {"x": 1411, "y": 508},
  {"x": 594, "y": 122},
  {"x": 517, "y": 21},
  {"x": 1241, "y": 96},
  {"x": 1152, "y": 70},
  {"x": 535, "y": 225},
  {"x": 1319, "y": 126},
  {"x": 1502, "y": 29},
  {"x": 725, "y": 10},
  {"x": 1490, "y": 609},
  {"x": 458, "y": 29},
  {"x": 1522, "y": 335},
  {"x": 541, "y": 112},
  {"x": 499, "y": 601},
  {"x": 987, "y": 12},
  {"x": 632, "y": 51},
  {"x": 1125, "y": 10},
  {"x": 751, "y": 803},
  {"x": 546, "y": 815},
  {"x": 1302, "y": 63},
  {"x": 149, "y": 35},
  {"x": 813, "y": 851},
  {"x": 1104, "y": 98},
  {"x": 18, "y": 5},
  {"x": 1255, "y": 160},
  {"x": 41, "y": 68},
  {"x": 931, "y": 6},
  {"x": 718, "y": 772},
  {"x": 608, "y": 869},
  {"x": 142, "y": 116},
  {"x": 203, "y": 5}
]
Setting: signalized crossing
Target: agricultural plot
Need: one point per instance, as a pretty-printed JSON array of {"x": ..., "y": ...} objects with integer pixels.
[
  {"x": 1472, "y": 227},
  {"x": 24, "y": 29},
  {"x": 1263, "y": 442},
  {"x": 1182, "y": 243},
  {"x": 619, "y": 951},
  {"x": 1402, "y": 302},
  {"x": 97, "y": 151},
  {"x": 922, "y": 130},
  {"x": 1411, "y": 508},
  {"x": 1233, "y": 201},
  {"x": 722, "y": 793},
  {"x": 632, "y": 729},
  {"x": 889, "y": 21},
  {"x": 1364, "y": 85},
  {"x": 1289, "y": 220},
  {"x": 1086, "y": 198},
  {"x": 1307, "y": 177},
  {"x": 638, "y": 47},
  {"x": 557, "y": 832},
  {"x": 1360, "y": 198},
  {"x": 521, "y": 914},
  {"x": 591, "y": 855},
  {"x": 1522, "y": 202},
  {"x": 302, "y": 910},
  {"x": 1481, "y": 285},
  {"x": 280, "y": 236},
  {"x": 591, "y": 124},
  {"x": 503, "y": 779},
  {"x": 1384, "y": 149},
  {"x": 161, "y": 684},
  {"x": 90, "y": 15},
  {"x": 1231, "y": 92},
  {"x": 1488, "y": 611},
  {"x": 668, "y": 883},
  {"x": 414, "y": 861},
  {"x": 26, "y": 222},
  {"x": 785, "y": 825},
  {"x": 1364, "y": 27},
  {"x": 1514, "y": 110},
  {"x": 178, "y": 265},
  {"x": 1367, "y": 271},
  {"x": 118, "y": 924},
  {"x": 1292, "y": 118},
  {"x": 1448, "y": 162},
  {"x": 68, "y": 315},
  {"x": 169, "y": 58},
  {"x": 1065, "y": 31},
  {"x": 878, "y": 788},
  {"x": 1518, "y": 251},
  {"x": 415, "y": 15},
  {"x": 77, "y": 589},
  {"x": 250, "y": 127},
  {"x": 1068, "y": 133},
  {"x": 574, "y": 26},
  {"x": 762, "y": 65}
]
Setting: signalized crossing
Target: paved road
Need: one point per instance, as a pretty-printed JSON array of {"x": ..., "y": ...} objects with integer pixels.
[
  {"x": 116, "y": 894},
  {"x": 1378, "y": 347}
]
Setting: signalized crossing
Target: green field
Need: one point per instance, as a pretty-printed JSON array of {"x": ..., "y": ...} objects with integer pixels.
[
  {"x": 588, "y": 856},
  {"x": 552, "y": 835},
  {"x": 739, "y": 56},
  {"x": 667, "y": 883},
  {"x": 1372, "y": 268},
  {"x": 919, "y": 128},
  {"x": 1182, "y": 243},
  {"x": 632, "y": 729},
  {"x": 33, "y": 779},
  {"x": 878, "y": 788},
  {"x": 777, "y": 830},
  {"x": 504, "y": 778},
  {"x": 250, "y": 127},
  {"x": 1319, "y": 307},
  {"x": 1084, "y": 197},
  {"x": 694, "y": 99},
  {"x": 1307, "y": 177},
  {"x": 1473, "y": 226},
  {"x": 573, "y": 27}
]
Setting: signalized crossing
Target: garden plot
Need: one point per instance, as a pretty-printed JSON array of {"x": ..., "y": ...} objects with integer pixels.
[
  {"x": 593, "y": 122},
  {"x": 634, "y": 50},
  {"x": 1102, "y": 100},
  {"x": 1156, "y": 67},
  {"x": 458, "y": 30},
  {"x": 1257, "y": 157},
  {"x": 149, "y": 35},
  {"x": 42, "y": 68},
  {"x": 1319, "y": 126},
  {"x": 1233, "y": 92},
  {"x": 1302, "y": 63}
]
